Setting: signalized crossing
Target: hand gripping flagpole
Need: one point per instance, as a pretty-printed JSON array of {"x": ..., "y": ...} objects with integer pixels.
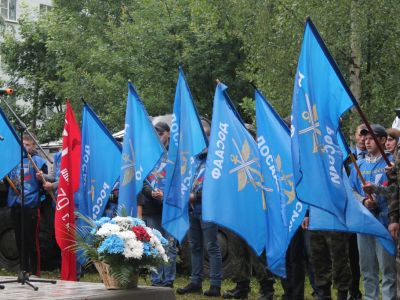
[
  {"x": 23, "y": 275},
  {"x": 42, "y": 177},
  {"x": 354, "y": 161}
]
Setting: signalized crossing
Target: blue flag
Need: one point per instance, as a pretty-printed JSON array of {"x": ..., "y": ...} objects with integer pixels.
[
  {"x": 320, "y": 97},
  {"x": 284, "y": 212},
  {"x": 10, "y": 146},
  {"x": 141, "y": 151},
  {"x": 233, "y": 190},
  {"x": 186, "y": 142},
  {"x": 100, "y": 165},
  {"x": 358, "y": 220}
]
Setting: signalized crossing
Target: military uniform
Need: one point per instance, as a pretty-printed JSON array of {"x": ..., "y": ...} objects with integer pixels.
[
  {"x": 330, "y": 261},
  {"x": 245, "y": 261}
]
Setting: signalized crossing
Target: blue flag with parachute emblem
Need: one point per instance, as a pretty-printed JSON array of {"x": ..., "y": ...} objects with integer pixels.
[
  {"x": 10, "y": 146},
  {"x": 320, "y": 97},
  {"x": 100, "y": 165},
  {"x": 141, "y": 151},
  {"x": 284, "y": 212},
  {"x": 187, "y": 140},
  {"x": 233, "y": 189}
]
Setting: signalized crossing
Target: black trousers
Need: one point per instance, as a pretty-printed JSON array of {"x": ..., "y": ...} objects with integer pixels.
[
  {"x": 28, "y": 258},
  {"x": 293, "y": 285}
]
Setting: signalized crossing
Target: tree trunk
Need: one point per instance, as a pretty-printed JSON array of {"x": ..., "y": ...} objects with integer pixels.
[
  {"x": 355, "y": 61},
  {"x": 35, "y": 108}
]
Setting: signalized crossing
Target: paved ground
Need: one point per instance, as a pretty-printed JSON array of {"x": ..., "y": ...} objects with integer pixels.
[{"x": 79, "y": 290}]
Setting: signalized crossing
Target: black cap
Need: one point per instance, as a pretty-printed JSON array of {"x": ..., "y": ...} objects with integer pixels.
[
  {"x": 378, "y": 130},
  {"x": 161, "y": 127}
]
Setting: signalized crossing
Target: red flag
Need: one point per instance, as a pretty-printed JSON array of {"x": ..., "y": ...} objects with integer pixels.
[{"x": 68, "y": 184}]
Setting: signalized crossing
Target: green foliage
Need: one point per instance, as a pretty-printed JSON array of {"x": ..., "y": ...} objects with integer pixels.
[
  {"x": 32, "y": 69},
  {"x": 91, "y": 48}
]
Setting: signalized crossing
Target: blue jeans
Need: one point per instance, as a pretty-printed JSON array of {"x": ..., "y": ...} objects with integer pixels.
[
  {"x": 165, "y": 273},
  {"x": 200, "y": 234},
  {"x": 372, "y": 259}
]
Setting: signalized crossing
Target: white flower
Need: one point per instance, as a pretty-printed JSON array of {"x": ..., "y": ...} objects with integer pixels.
[
  {"x": 108, "y": 229},
  {"x": 119, "y": 219},
  {"x": 133, "y": 249},
  {"x": 126, "y": 235},
  {"x": 124, "y": 222}
]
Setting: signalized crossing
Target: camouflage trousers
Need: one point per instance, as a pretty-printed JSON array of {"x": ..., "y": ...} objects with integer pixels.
[
  {"x": 330, "y": 259},
  {"x": 246, "y": 263}
]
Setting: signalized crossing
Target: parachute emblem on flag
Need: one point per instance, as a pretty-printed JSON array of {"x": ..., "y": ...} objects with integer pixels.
[
  {"x": 245, "y": 171},
  {"x": 290, "y": 193},
  {"x": 92, "y": 190},
  {"x": 184, "y": 161},
  {"x": 311, "y": 116},
  {"x": 129, "y": 166}
]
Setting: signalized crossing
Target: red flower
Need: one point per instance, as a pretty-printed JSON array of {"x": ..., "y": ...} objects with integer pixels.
[{"x": 141, "y": 233}]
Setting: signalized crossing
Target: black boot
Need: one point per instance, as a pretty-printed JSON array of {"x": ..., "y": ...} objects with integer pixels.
[
  {"x": 239, "y": 292},
  {"x": 324, "y": 293},
  {"x": 342, "y": 295},
  {"x": 355, "y": 295},
  {"x": 213, "y": 291},
  {"x": 267, "y": 289},
  {"x": 191, "y": 288}
]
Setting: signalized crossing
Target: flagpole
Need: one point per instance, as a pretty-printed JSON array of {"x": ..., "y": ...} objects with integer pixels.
[
  {"x": 347, "y": 89},
  {"x": 353, "y": 160},
  {"x": 12, "y": 185}
]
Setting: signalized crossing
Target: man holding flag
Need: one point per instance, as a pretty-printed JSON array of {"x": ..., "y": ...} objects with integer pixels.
[
  {"x": 376, "y": 258},
  {"x": 141, "y": 152},
  {"x": 31, "y": 257},
  {"x": 68, "y": 184},
  {"x": 320, "y": 98},
  {"x": 202, "y": 234},
  {"x": 152, "y": 203},
  {"x": 100, "y": 165},
  {"x": 187, "y": 142},
  {"x": 284, "y": 212}
]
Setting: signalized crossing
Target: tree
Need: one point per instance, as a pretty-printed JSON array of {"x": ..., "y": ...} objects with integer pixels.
[{"x": 32, "y": 70}]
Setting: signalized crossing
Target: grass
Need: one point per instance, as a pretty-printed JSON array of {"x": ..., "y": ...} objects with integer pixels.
[{"x": 182, "y": 281}]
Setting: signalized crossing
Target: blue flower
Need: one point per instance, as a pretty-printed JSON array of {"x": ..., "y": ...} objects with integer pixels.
[
  {"x": 112, "y": 244},
  {"x": 138, "y": 222},
  {"x": 158, "y": 235},
  {"x": 102, "y": 221},
  {"x": 154, "y": 251},
  {"x": 147, "y": 249}
]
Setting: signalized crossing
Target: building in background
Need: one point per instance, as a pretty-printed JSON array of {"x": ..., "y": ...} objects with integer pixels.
[{"x": 11, "y": 11}]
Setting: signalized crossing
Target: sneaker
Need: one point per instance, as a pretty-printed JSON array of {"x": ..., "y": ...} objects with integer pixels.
[
  {"x": 213, "y": 291},
  {"x": 239, "y": 292},
  {"x": 191, "y": 288},
  {"x": 157, "y": 284},
  {"x": 168, "y": 284}
]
